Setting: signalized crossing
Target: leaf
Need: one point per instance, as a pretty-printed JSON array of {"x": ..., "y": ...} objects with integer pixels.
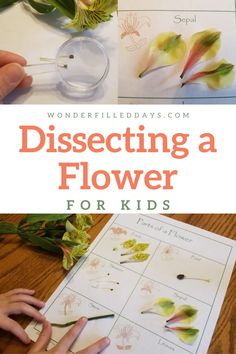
[
  {"x": 42, "y": 7},
  {"x": 43, "y": 243},
  {"x": 187, "y": 335},
  {"x": 162, "y": 306},
  {"x": 33, "y": 218},
  {"x": 4, "y": 3},
  {"x": 7, "y": 228},
  {"x": 204, "y": 45},
  {"x": 166, "y": 49}
]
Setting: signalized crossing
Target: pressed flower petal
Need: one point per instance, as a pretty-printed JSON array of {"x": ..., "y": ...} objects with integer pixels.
[
  {"x": 184, "y": 314},
  {"x": 139, "y": 247},
  {"x": 166, "y": 49},
  {"x": 187, "y": 335},
  {"x": 204, "y": 46},
  {"x": 137, "y": 257},
  {"x": 216, "y": 76},
  {"x": 162, "y": 306}
]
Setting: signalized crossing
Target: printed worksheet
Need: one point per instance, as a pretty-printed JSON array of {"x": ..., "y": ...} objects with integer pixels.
[
  {"x": 177, "y": 51},
  {"x": 158, "y": 285}
]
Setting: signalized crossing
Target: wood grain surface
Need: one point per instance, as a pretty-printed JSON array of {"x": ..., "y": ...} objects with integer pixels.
[{"x": 25, "y": 266}]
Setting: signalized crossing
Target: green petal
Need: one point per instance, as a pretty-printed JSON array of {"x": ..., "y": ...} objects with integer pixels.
[
  {"x": 140, "y": 257},
  {"x": 129, "y": 244}
]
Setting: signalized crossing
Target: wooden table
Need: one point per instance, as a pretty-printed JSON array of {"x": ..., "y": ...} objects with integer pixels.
[{"x": 25, "y": 266}]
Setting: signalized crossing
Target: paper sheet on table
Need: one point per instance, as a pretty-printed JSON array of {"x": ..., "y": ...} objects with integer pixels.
[
  {"x": 141, "y": 21},
  {"x": 35, "y": 36},
  {"x": 105, "y": 282}
]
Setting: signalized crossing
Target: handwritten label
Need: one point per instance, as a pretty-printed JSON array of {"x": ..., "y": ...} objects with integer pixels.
[
  {"x": 166, "y": 345},
  {"x": 196, "y": 258},
  {"x": 181, "y": 297},
  {"x": 185, "y": 20}
]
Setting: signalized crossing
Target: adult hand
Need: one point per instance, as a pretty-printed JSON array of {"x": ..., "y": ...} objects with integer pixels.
[
  {"x": 15, "y": 302},
  {"x": 12, "y": 74},
  {"x": 64, "y": 345}
]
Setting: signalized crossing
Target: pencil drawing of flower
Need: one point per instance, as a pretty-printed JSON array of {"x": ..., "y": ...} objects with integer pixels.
[
  {"x": 131, "y": 26},
  {"x": 126, "y": 336},
  {"x": 68, "y": 302}
]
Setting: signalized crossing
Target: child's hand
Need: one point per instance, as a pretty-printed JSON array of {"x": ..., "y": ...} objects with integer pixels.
[
  {"x": 64, "y": 345},
  {"x": 12, "y": 73},
  {"x": 15, "y": 302}
]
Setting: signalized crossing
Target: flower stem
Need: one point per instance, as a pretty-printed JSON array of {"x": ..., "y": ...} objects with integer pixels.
[{"x": 62, "y": 325}]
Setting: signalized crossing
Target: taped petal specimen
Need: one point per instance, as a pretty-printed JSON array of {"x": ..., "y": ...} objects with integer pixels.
[
  {"x": 185, "y": 314},
  {"x": 204, "y": 45},
  {"x": 166, "y": 49},
  {"x": 162, "y": 306},
  {"x": 187, "y": 335}
]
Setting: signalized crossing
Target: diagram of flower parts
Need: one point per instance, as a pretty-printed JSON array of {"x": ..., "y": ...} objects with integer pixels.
[
  {"x": 183, "y": 315},
  {"x": 170, "y": 48},
  {"x": 132, "y": 251},
  {"x": 126, "y": 336}
]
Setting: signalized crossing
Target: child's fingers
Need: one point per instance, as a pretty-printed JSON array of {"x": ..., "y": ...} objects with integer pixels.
[
  {"x": 27, "y": 299},
  {"x": 8, "y": 57},
  {"x": 69, "y": 338},
  {"x": 12, "y": 326},
  {"x": 26, "y": 82},
  {"x": 43, "y": 340},
  {"x": 11, "y": 75},
  {"x": 17, "y": 308},
  {"x": 20, "y": 291},
  {"x": 97, "y": 347}
]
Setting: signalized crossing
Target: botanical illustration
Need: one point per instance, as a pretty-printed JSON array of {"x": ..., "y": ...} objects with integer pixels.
[
  {"x": 126, "y": 337},
  {"x": 94, "y": 265},
  {"x": 131, "y": 26},
  {"x": 147, "y": 287},
  {"x": 68, "y": 302},
  {"x": 105, "y": 282}
]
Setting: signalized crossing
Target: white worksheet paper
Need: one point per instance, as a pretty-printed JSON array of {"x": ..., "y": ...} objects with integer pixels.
[
  {"x": 142, "y": 21},
  {"x": 100, "y": 284}
]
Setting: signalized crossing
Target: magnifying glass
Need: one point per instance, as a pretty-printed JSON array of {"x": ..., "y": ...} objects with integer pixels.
[{"x": 82, "y": 64}]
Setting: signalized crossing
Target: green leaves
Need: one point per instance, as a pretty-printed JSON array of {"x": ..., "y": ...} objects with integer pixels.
[
  {"x": 57, "y": 233},
  {"x": 7, "y": 228},
  {"x": 4, "y": 3},
  {"x": 42, "y": 7},
  {"x": 33, "y": 218}
]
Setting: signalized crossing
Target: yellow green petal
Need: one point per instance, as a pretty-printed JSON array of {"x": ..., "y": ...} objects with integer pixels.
[
  {"x": 213, "y": 49},
  {"x": 216, "y": 82}
]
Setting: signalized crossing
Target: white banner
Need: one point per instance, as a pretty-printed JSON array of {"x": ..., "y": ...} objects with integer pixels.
[{"x": 118, "y": 159}]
